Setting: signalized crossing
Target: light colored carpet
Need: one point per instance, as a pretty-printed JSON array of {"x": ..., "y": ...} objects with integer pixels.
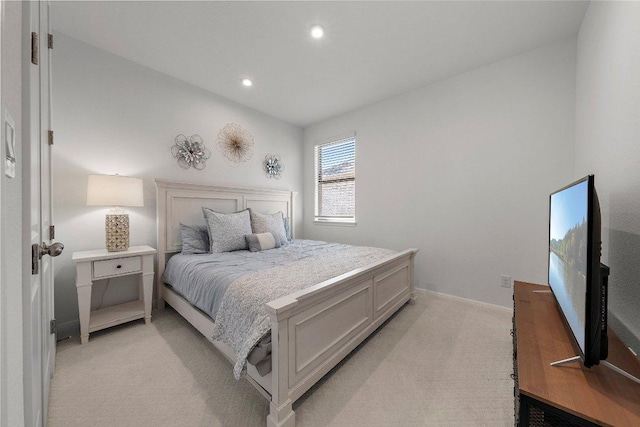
[{"x": 441, "y": 362}]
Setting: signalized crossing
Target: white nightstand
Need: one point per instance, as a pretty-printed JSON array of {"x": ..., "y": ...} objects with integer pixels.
[{"x": 101, "y": 264}]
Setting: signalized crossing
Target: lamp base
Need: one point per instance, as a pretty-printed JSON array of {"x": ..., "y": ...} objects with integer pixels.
[{"x": 117, "y": 232}]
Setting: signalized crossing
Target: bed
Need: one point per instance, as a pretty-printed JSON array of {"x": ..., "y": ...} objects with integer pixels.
[{"x": 311, "y": 329}]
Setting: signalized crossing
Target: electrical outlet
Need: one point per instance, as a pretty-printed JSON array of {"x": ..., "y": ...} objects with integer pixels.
[{"x": 505, "y": 281}]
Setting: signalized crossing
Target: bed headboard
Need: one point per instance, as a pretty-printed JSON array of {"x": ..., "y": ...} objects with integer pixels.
[{"x": 179, "y": 202}]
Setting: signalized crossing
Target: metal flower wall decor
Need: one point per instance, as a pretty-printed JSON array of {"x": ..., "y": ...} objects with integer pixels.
[
  {"x": 273, "y": 166},
  {"x": 190, "y": 152},
  {"x": 235, "y": 143}
]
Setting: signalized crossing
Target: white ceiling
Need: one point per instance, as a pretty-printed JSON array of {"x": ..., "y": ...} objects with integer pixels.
[{"x": 372, "y": 50}]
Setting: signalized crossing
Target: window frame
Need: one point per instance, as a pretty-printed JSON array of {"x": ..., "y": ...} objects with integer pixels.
[{"x": 332, "y": 220}]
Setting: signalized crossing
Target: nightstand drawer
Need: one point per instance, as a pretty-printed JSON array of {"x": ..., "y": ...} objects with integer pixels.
[{"x": 116, "y": 267}]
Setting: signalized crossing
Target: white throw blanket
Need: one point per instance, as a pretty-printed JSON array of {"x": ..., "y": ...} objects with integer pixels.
[{"x": 242, "y": 319}]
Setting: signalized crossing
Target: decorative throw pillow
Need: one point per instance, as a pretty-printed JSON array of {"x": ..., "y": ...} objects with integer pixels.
[
  {"x": 195, "y": 239},
  {"x": 287, "y": 229},
  {"x": 269, "y": 223},
  {"x": 261, "y": 242},
  {"x": 227, "y": 230}
]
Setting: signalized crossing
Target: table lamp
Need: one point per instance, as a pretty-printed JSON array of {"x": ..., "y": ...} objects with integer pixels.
[{"x": 116, "y": 191}]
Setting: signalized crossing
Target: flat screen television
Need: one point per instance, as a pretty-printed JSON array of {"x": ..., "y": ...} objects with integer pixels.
[{"x": 576, "y": 277}]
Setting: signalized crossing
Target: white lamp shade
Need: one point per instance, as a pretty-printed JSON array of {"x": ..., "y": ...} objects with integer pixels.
[{"x": 114, "y": 190}]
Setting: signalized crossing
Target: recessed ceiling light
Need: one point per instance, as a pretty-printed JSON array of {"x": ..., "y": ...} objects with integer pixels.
[
  {"x": 317, "y": 32},
  {"x": 247, "y": 82}
]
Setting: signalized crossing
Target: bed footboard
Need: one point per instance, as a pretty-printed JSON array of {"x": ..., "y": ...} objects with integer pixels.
[{"x": 314, "y": 329}]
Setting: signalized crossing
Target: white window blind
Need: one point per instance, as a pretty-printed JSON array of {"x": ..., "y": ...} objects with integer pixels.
[{"x": 336, "y": 181}]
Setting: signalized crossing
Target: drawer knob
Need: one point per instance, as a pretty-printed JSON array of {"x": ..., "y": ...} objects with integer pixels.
[{"x": 118, "y": 266}]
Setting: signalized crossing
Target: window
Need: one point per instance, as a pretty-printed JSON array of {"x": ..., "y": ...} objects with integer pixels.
[{"x": 336, "y": 181}]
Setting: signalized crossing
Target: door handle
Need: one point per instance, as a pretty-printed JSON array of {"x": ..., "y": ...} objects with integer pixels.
[
  {"x": 53, "y": 250},
  {"x": 38, "y": 251}
]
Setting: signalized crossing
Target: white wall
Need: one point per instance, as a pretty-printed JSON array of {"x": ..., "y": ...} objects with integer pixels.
[
  {"x": 114, "y": 116},
  {"x": 462, "y": 170},
  {"x": 12, "y": 410},
  {"x": 608, "y": 145}
]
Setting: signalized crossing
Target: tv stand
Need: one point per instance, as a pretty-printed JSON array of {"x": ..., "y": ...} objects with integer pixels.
[{"x": 574, "y": 395}]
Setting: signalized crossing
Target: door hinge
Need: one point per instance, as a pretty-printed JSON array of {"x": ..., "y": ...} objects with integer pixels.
[
  {"x": 53, "y": 327},
  {"x": 34, "y": 48},
  {"x": 50, "y": 41},
  {"x": 50, "y": 133},
  {"x": 52, "y": 232}
]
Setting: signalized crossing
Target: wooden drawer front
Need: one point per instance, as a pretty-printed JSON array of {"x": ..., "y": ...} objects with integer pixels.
[
  {"x": 116, "y": 267},
  {"x": 317, "y": 333},
  {"x": 389, "y": 288}
]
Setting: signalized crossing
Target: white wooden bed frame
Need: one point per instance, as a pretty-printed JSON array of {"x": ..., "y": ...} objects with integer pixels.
[{"x": 311, "y": 330}]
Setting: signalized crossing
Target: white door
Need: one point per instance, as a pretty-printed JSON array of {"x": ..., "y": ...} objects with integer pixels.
[{"x": 38, "y": 311}]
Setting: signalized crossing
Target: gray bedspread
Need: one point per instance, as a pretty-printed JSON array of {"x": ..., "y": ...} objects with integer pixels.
[
  {"x": 203, "y": 279},
  {"x": 242, "y": 319}
]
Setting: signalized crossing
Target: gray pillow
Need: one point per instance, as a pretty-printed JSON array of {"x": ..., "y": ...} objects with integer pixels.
[
  {"x": 261, "y": 242},
  {"x": 195, "y": 239},
  {"x": 227, "y": 230},
  {"x": 269, "y": 223}
]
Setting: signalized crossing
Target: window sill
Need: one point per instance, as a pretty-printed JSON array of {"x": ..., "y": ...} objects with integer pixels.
[{"x": 340, "y": 223}]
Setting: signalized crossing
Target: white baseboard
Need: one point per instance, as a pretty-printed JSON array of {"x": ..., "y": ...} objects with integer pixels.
[{"x": 465, "y": 300}]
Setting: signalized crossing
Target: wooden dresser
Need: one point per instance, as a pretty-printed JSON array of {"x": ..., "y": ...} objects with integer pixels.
[{"x": 570, "y": 395}]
